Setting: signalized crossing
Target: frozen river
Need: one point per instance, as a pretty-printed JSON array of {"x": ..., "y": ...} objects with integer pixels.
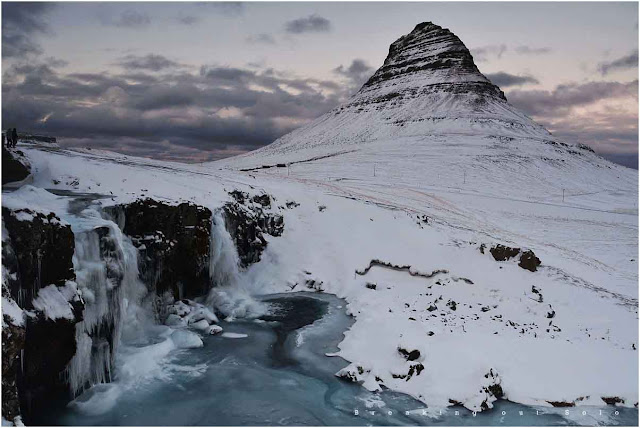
[{"x": 275, "y": 371}]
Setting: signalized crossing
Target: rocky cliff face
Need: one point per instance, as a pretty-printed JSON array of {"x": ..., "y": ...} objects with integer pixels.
[
  {"x": 42, "y": 248},
  {"x": 14, "y": 166},
  {"x": 173, "y": 243},
  {"x": 430, "y": 59},
  {"x": 247, "y": 220},
  {"x": 37, "y": 258}
]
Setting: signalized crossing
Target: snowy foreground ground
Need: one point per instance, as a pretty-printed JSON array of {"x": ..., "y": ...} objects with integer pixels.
[{"x": 476, "y": 321}]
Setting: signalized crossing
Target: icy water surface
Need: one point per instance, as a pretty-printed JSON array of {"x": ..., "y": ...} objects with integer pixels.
[{"x": 279, "y": 374}]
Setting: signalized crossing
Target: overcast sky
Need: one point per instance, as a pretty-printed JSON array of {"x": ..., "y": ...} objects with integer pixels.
[{"x": 201, "y": 81}]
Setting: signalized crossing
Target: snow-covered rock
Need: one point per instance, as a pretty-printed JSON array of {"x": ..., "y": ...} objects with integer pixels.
[{"x": 185, "y": 339}]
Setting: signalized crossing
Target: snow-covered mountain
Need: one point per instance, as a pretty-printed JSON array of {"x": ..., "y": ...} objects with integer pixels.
[
  {"x": 428, "y": 87},
  {"x": 481, "y": 257},
  {"x": 429, "y": 115}
]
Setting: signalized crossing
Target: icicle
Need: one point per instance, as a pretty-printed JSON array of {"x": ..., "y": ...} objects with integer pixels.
[{"x": 106, "y": 267}]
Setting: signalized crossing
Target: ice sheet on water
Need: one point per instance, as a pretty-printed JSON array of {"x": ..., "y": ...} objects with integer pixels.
[
  {"x": 98, "y": 400},
  {"x": 235, "y": 335}
]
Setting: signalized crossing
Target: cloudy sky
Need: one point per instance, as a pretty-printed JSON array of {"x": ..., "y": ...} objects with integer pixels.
[{"x": 201, "y": 81}]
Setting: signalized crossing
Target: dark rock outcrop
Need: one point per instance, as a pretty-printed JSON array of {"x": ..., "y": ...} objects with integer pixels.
[
  {"x": 37, "y": 253},
  {"x": 14, "y": 166},
  {"x": 562, "y": 403},
  {"x": 528, "y": 259},
  {"x": 501, "y": 252},
  {"x": 409, "y": 355},
  {"x": 612, "y": 401},
  {"x": 48, "y": 349},
  {"x": 13, "y": 337},
  {"x": 173, "y": 243},
  {"x": 493, "y": 390},
  {"x": 247, "y": 222},
  {"x": 41, "y": 249}
]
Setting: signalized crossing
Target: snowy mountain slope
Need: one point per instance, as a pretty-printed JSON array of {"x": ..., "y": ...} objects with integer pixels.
[
  {"x": 449, "y": 145},
  {"x": 448, "y": 136},
  {"x": 395, "y": 203}
]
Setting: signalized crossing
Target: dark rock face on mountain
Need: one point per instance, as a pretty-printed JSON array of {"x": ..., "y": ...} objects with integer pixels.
[
  {"x": 37, "y": 253},
  {"x": 14, "y": 166},
  {"x": 430, "y": 64},
  {"x": 173, "y": 243},
  {"x": 434, "y": 51},
  {"x": 247, "y": 221}
]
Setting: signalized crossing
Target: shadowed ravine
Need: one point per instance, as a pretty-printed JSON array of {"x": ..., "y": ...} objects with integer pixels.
[{"x": 278, "y": 375}]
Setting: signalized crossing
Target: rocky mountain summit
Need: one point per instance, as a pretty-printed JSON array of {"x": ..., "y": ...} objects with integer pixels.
[{"x": 429, "y": 60}]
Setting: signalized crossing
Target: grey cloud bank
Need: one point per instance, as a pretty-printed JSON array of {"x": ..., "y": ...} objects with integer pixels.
[
  {"x": 199, "y": 81},
  {"x": 310, "y": 24},
  {"x": 505, "y": 80},
  {"x": 625, "y": 62}
]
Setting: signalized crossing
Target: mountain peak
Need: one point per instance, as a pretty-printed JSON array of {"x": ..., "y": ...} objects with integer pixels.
[
  {"x": 429, "y": 90},
  {"x": 431, "y": 55}
]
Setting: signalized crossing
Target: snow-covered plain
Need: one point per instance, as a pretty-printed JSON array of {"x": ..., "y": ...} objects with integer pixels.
[{"x": 422, "y": 182}]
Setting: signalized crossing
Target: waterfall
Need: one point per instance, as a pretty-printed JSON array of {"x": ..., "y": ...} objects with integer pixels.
[
  {"x": 106, "y": 268},
  {"x": 223, "y": 256},
  {"x": 229, "y": 292}
]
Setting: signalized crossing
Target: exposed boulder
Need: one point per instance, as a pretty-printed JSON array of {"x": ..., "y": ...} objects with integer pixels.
[
  {"x": 187, "y": 313},
  {"x": 14, "y": 166},
  {"x": 612, "y": 401},
  {"x": 529, "y": 261},
  {"x": 501, "y": 252},
  {"x": 415, "y": 368},
  {"x": 262, "y": 199},
  {"x": 173, "y": 243},
  {"x": 247, "y": 221},
  {"x": 409, "y": 355}
]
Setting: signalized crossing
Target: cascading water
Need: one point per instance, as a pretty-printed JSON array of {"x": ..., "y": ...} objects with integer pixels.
[
  {"x": 106, "y": 267},
  {"x": 229, "y": 292},
  {"x": 119, "y": 343}
]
